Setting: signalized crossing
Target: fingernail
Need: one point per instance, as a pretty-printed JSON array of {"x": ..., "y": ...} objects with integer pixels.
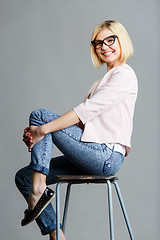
[{"x": 28, "y": 134}]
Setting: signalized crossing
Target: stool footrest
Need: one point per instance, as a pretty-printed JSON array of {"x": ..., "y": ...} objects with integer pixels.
[{"x": 85, "y": 178}]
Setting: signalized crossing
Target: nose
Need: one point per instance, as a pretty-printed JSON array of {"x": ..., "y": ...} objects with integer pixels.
[{"x": 104, "y": 46}]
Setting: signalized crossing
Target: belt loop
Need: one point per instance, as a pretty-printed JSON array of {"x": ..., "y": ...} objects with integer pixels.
[{"x": 113, "y": 147}]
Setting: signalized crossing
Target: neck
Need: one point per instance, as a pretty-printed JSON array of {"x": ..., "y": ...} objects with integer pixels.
[{"x": 110, "y": 66}]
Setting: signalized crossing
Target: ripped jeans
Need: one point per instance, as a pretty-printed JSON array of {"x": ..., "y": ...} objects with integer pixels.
[{"x": 78, "y": 158}]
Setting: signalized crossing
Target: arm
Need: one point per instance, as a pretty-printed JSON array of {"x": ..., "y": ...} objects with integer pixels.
[
  {"x": 34, "y": 134},
  {"x": 66, "y": 120}
]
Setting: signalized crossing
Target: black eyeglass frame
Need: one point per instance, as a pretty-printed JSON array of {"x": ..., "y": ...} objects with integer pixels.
[{"x": 103, "y": 41}]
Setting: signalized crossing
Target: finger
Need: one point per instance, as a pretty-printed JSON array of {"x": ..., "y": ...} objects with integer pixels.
[
  {"x": 27, "y": 135},
  {"x": 28, "y": 142},
  {"x": 30, "y": 147},
  {"x": 26, "y": 138},
  {"x": 26, "y": 129}
]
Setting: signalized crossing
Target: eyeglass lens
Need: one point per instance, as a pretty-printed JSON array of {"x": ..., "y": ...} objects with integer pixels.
[{"x": 107, "y": 41}]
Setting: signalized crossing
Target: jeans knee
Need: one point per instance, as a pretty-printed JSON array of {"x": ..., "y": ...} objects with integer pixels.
[
  {"x": 36, "y": 117},
  {"x": 18, "y": 179},
  {"x": 36, "y": 113},
  {"x": 23, "y": 177}
]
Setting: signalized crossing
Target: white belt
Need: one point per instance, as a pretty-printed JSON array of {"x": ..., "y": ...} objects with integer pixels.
[{"x": 117, "y": 147}]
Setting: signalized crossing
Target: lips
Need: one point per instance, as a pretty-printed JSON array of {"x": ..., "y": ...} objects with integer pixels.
[{"x": 107, "y": 53}]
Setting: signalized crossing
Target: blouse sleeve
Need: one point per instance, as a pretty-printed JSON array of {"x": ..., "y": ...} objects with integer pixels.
[{"x": 119, "y": 86}]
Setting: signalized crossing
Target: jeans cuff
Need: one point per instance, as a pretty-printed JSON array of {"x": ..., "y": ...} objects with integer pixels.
[
  {"x": 47, "y": 230},
  {"x": 39, "y": 168}
]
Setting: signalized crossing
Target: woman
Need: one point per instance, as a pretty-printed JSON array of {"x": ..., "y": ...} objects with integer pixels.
[{"x": 94, "y": 137}]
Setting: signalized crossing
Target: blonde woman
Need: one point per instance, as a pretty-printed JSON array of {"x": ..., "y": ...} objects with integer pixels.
[{"x": 94, "y": 137}]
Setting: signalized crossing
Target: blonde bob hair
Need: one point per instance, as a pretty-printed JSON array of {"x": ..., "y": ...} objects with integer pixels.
[{"x": 123, "y": 38}]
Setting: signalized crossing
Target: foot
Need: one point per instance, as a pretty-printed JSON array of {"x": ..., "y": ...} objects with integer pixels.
[
  {"x": 45, "y": 199},
  {"x": 35, "y": 194},
  {"x": 40, "y": 197},
  {"x": 53, "y": 235}
]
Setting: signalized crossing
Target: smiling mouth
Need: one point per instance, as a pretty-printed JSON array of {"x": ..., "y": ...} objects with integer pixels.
[{"x": 107, "y": 53}]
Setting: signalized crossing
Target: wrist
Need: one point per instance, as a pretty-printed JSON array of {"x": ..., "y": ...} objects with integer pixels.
[{"x": 44, "y": 129}]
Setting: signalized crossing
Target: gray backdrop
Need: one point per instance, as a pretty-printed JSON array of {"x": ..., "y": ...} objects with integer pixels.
[{"x": 45, "y": 62}]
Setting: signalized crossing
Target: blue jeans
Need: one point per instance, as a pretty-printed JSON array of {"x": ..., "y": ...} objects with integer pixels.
[{"x": 78, "y": 158}]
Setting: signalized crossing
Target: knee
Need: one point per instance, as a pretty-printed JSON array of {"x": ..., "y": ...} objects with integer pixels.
[
  {"x": 36, "y": 117},
  {"x": 20, "y": 178},
  {"x": 41, "y": 116}
]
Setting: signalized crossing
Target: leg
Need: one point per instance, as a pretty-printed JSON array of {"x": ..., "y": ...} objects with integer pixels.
[
  {"x": 88, "y": 157},
  {"x": 110, "y": 210},
  {"x": 58, "y": 166},
  {"x": 58, "y": 210},
  {"x": 53, "y": 235},
  {"x": 123, "y": 210},
  {"x": 40, "y": 157},
  {"x": 58, "y": 234},
  {"x": 37, "y": 188},
  {"x": 23, "y": 181},
  {"x": 92, "y": 158}
]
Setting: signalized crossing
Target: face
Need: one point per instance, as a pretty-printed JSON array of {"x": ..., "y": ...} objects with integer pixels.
[{"x": 108, "y": 54}]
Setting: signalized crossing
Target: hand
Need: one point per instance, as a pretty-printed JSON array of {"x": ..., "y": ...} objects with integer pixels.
[{"x": 32, "y": 135}]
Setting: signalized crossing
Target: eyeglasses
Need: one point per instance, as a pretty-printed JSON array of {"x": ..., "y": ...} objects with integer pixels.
[{"x": 107, "y": 41}]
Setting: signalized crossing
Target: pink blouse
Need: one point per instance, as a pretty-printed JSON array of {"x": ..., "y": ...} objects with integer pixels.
[{"x": 108, "y": 114}]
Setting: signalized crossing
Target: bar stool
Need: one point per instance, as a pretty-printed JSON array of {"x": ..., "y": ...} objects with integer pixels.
[{"x": 79, "y": 179}]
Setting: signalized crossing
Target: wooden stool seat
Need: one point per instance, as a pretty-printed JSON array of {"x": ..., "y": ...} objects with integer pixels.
[{"x": 85, "y": 178}]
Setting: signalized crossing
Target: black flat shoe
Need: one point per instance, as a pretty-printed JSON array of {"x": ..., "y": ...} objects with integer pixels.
[{"x": 45, "y": 199}]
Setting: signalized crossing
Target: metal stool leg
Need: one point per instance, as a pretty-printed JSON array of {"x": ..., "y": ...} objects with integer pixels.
[
  {"x": 66, "y": 207},
  {"x": 110, "y": 205},
  {"x": 123, "y": 209},
  {"x": 58, "y": 210}
]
